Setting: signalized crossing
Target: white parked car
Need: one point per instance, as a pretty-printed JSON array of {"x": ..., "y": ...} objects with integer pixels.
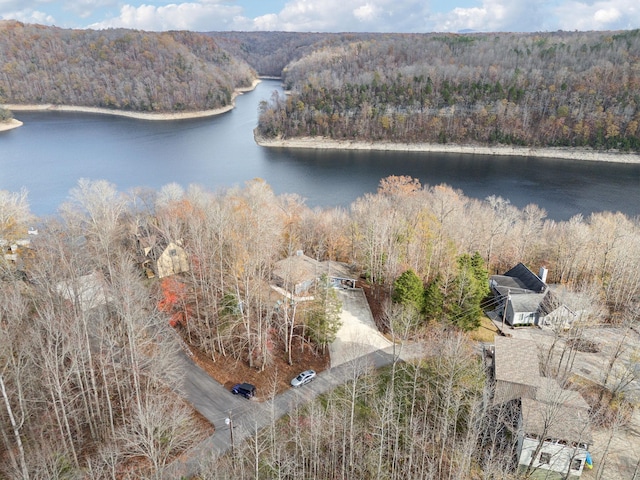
[{"x": 304, "y": 378}]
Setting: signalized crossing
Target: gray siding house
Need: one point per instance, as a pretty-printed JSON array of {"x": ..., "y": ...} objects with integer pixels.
[{"x": 524, "y": 298}]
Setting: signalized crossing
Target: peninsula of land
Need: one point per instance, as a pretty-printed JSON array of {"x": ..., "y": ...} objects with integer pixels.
[
  {"x": 124, "y": 113},
  {"x": 10, "y": 124}
]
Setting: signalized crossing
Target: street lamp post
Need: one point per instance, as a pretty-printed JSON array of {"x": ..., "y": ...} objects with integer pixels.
[{"x": 229, "y": 422}]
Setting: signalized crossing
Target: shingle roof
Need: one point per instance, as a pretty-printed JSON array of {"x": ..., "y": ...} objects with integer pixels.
[
  {"x": 519, "y": 280},
  {"x": 549, "y": 391},
  {"x": 516, "y": 361},
  {"x": 556, "y": 421},
  {"x": 297, "y": 269},
  {"x": 554, "y": 412},
  {"x": 300, "y": 268},
  {"x": 526, "y": 302}
]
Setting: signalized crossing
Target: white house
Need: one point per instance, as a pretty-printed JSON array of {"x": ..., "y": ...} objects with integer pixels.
[{"x": 557, "y": 434}]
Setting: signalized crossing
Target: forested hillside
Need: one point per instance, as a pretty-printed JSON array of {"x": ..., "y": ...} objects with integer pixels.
[
  {"x": 545, "y": 89},
  {"x": 269, "y": 52},
  {"x": 117, "y": 69},
  {"x": 86, "y": 343}
]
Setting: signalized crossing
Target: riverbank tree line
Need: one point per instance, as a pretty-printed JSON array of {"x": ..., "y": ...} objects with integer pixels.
[
  {"x": 561, "y": 89},
  {"x": 88, "y": 342},
  {"x": 117, "y": 69}
]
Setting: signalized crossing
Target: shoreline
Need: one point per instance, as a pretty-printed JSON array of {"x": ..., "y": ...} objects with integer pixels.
[
  {"x": 162, "y": 116},
  {"x": 547, "y": 152},
  {"x": 10, "y": 124}
]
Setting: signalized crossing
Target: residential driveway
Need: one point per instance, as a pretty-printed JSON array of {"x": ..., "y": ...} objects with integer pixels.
[{"x": 358, "y": 335}]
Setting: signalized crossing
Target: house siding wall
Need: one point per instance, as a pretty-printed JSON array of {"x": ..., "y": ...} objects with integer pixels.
[
  {"x": 561, "y": 457},
  {"x": 525, "y": 318},
  {"x": 169, "y": 264}
]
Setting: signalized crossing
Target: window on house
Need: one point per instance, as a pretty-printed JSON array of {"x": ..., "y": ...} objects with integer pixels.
[
  {"x": 545, "y": 458},
  {"x": 576, "y": 464},
  {"x": 173, "y": 252}
]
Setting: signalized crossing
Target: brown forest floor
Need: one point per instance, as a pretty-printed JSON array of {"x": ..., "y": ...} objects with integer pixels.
[{"x": 276, "y": 375}]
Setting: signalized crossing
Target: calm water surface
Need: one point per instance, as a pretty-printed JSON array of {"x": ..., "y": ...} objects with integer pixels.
[{"x": 51, "y": 151}]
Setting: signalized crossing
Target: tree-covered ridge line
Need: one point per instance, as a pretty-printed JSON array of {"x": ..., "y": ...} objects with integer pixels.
[
  {"x": 117, "y": 69},
  {"x": 543, "y": 90}
]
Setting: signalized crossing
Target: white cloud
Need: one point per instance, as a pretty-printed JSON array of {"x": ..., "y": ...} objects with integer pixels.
[
  {"x": 28, "y": 16},
  {"x": 193, "y": 16},
  {"x": 347, "y": 16},
  {"x": 496, "y": 16},
  {"x": 607, "y": 15},
  {"x": 598, "y": 15},
  {"x": 332, "y": 15},
  {"x": 367, "y": 13}
]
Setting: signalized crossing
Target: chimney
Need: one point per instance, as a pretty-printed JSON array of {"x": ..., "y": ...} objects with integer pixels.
[{"x": 543, "y": 274}]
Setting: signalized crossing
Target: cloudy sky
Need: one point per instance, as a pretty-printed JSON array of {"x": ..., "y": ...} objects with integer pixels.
[{"x": 330, "y": 15}]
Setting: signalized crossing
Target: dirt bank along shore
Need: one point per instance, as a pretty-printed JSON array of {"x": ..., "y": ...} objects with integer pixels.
[{"x": 563, "y": 153}]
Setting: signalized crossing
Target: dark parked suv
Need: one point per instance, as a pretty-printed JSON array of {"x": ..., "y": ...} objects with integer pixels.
[{"x": 245, "y": 389}]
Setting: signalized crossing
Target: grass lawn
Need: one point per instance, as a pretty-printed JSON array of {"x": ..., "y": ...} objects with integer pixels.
[{"x": 485, "y": 332}]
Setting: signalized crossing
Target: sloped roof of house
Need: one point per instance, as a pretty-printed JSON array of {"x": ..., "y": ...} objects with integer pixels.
[
  {"x": 518, "y": 280},
  {"x": 336, "y": 269},
  {"x": 153, "y": 246},
  {"x": 543, "y": 303},
  {"x": 556, "y": 421},
  {"x": 549, "y": 303},
  {"x": 554, "y": 412},
  {"x": 549, "y": 391},
  {"x": 511, "y": 356},
  {"x": 528, "y": 293},
  {"x": 526, "y": 302},
  {"x": 88, "y": 291},
  {"x": 297, "y": 268}
]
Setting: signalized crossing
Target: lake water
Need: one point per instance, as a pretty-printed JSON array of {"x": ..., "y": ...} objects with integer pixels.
[{"x": 52, "y": 150}]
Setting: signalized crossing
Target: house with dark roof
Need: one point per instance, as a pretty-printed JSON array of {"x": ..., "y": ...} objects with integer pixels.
[
  {"x": 551, "y": 425},
  {"x": 524, "y": 298}
]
